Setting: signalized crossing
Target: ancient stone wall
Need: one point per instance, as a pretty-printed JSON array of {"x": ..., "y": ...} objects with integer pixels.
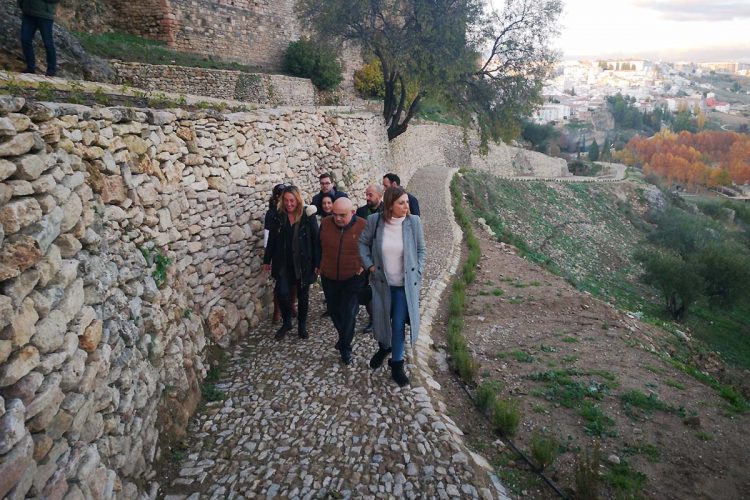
[
  {"x": 261, "y": 88},
  {"x": 437, "y": 144},
  {"x": 129, "y": 241}
]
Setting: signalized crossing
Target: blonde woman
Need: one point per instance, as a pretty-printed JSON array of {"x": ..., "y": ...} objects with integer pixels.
[{"x": 293, "y": 257}]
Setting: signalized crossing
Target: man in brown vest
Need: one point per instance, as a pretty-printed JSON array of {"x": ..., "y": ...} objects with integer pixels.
[{"x": 341, "y": 271}]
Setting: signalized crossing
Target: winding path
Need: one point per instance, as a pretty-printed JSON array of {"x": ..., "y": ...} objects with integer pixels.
[{"x": 296, "y": 423}]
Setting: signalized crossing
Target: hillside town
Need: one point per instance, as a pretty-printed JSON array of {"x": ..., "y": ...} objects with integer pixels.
[{"x": 580, "y": 88}]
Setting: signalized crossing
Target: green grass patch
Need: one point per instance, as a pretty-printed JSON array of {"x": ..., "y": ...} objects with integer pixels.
[
  {"x": 648, "y": 403},
  {"x": 569, "y": 340},
  {"x": 518, "y": 355},
  {"x": 675, "y": 384},
  {"x": 133, "y": 48},
  {"x": 596, "y": 422},
  {"x": 505, "y": 417},
  {"x": 211, "y": 393},
  {"x": 648, "y": 450},
  {"x": 627, "y": 481},
  {"x": 497, "y": 292}
]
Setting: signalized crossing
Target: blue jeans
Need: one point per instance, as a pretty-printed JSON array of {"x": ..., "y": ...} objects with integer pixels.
[
  {"x": 29, "y": 27},
  {"x": 399, "y": 311}
]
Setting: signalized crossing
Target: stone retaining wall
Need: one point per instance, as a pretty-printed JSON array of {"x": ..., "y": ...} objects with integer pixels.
[
  {"x": 261, "y": 88},
  {"x": 436, "y": 144},
  {"x": 129, "y": 241}
]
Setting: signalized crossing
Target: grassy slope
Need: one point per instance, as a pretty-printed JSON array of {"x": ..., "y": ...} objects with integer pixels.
[{"x": 587, "y": 233}]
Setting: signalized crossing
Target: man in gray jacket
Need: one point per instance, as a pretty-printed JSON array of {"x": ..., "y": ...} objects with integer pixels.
[{"x": 38, "y": 15}]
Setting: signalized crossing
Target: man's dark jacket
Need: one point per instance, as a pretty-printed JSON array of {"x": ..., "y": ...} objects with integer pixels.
[
  {"x": 365, "y": 211},
  {"x": 39, "y": 8}
]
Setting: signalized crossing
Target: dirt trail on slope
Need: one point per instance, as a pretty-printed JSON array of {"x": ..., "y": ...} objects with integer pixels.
[{"x": 585, "y": 372}]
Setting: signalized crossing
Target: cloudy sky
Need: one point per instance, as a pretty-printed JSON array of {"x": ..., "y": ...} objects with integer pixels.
[{"x": 697, "y": 30}]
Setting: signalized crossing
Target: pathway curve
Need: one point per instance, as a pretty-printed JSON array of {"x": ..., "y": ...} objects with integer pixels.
[{"x": 296, "y": 423}]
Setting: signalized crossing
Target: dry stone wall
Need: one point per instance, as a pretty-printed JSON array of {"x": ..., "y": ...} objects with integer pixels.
[
  {"x": 261, "y": 88},
  {"x": 437, "y": 144},
  {"x": 129, "y": 241}
]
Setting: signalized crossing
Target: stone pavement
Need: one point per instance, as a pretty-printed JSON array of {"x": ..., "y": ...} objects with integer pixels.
[{"x": 296, "y": 423}]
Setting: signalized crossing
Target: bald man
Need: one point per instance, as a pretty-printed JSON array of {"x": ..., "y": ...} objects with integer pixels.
[{"x": 341, "y": 271}]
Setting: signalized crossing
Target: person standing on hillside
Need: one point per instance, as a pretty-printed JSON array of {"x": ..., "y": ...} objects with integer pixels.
[
  {"x": 38, "y": 15},
  {"x": 393, "y": 251},
  {"x": 373, "y": 205},
  {"x": 326, "y": 186},
  {"x": 393, "y": 180},
  {"x": 292, "y": 257},
  {"x": 341, "y": 271}
]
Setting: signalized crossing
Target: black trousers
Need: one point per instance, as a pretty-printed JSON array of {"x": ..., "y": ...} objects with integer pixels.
[
  {"x": 342, "y": 297},
  {"x": 283, "y": 291}
]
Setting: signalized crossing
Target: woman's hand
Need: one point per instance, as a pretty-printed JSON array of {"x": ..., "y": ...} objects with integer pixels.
[
  {"x": 371, "y": 269},
  {"x": 266, "y": 268}
]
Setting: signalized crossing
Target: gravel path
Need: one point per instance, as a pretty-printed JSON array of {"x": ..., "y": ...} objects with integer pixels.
[{"x": 296, "y": 423}]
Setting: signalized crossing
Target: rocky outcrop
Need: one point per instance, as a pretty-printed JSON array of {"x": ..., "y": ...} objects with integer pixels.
[{"x": 72, "y": 60}]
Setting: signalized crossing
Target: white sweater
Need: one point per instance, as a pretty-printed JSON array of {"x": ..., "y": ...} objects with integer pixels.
[{"x": 393, "y": 251}]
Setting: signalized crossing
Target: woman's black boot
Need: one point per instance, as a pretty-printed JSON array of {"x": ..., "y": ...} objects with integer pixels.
[
  {"x": 377, "y": 359},
  {"x": 398, "y": 374}
]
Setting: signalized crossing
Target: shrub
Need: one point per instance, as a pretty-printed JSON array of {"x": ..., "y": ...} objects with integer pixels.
[
  {"x": 674, "y": 277},
  {"x": 308, "y": 59},
  {"x": 725, "y": 269},
  {"x": 368, "y": 80},
  {"x": 587, "y": 474},
  {"x": 505, "y": 417},
  {"x": 485, "y": 395},
  {"x": 544, "y": 449}
]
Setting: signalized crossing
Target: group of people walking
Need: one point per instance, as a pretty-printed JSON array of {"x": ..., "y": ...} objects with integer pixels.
[{"x": 372, "y": 256}]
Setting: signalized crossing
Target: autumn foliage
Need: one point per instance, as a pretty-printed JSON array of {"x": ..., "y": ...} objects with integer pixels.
[{"x": 703, "y": 159}]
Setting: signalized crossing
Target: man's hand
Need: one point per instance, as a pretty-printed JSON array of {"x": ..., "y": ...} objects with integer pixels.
[{"x": 266, "y": 268}]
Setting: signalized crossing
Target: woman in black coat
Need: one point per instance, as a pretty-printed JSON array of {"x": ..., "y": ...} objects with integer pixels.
[{"x": 292, "y": 257}]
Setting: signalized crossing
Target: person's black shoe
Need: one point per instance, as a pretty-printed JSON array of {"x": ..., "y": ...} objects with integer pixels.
[
  {"x": 368, "y": 328},
  {"x": 29, "y": 71},
  {"x": 398, "y": 374},
  {"x": 377, "y": 359},
  {"x": 325, "y": 313},
  {"x": 281, "y": 332},
  {"x": 303, "y": 333},
  {"x": 346, "y": 359}
]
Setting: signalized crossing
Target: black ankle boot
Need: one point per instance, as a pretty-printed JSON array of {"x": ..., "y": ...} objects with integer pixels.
[
  {"x": 302, "y": 332},
  {"x": 398, "y": 374},
  {"x": 377, "y": 359},
  {"x": 281, "y": 332}
]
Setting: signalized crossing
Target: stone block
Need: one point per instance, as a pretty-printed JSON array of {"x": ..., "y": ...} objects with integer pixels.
[
  {"x": 19, "y": 213},
  {"x": 20, "y": 363},
  {"x": 6, "y": 193},
  {"x": 7, "y": 129},
  {"x": 42, "y": 445},
  {"x": 21, "y": 327},
  {"x": 48, "y": 397},
  {"x": 6, "y": 309},
  {"x": 6, "y": 347},
  {"x": 113, "y": 189},
  {"x": 29, "y": 167},
  {"x": 15, "y": 464},
  {"x": 72, "y": 302},
  {"x": 91, "y": 337},
  {"x": 25, "y": 388},
  {"x": 20, "y": 188},
  {"x": 49, "y": 266},
  {"x": 71, "y": 213},
  {"x": 19, "y": 288},
  {"x": 50, "y": 332},
  {"x": 7, "y": 169},
  {"x": 73, "y": 370},
  {"x": 17, "y": 145},
  {"x": 47, "y": 468},
  {"x": 46, "y": 230},
  {"x": 69, "y": 245},
  {"x": 12, "y": 428}
]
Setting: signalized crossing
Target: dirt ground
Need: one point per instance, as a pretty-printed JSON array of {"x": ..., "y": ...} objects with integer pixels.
[{"x": 569, "y": 359}]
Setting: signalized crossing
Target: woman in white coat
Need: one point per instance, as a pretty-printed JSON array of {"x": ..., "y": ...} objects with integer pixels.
[{"x": 392, "y": 249}]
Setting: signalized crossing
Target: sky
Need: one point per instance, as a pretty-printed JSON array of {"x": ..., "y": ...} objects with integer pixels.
[{"x": 675, "y": 30}]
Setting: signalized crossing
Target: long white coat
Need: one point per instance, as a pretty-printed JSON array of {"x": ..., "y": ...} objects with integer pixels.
[{"x": 371, "y": 252}]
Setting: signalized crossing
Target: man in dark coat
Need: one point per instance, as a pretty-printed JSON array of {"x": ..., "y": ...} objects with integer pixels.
[
  {"x": 326, "y": 186},
  {"x": 393, "y": 180},
  {"x": 341, "y": 271},
  {"x": 38, "y": 15},
  {"x": 374, "y": 197}
]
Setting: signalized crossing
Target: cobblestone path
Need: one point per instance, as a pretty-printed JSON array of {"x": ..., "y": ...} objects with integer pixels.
[{"x": 296, "y": 423}]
